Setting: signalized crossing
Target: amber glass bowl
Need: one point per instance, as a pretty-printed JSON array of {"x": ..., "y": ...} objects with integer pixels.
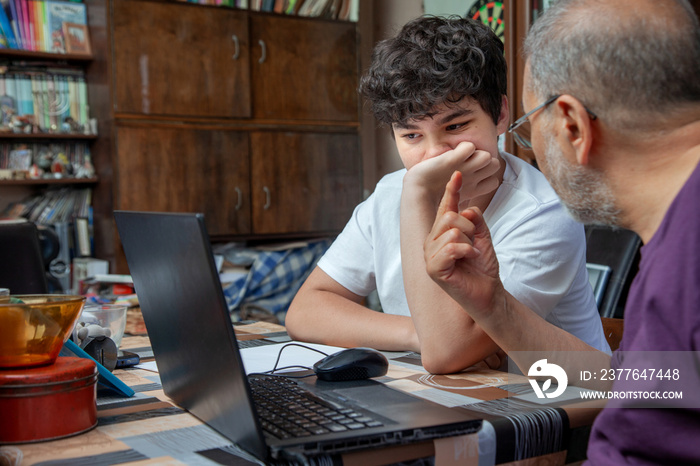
[{"x": 33, "y": 328}]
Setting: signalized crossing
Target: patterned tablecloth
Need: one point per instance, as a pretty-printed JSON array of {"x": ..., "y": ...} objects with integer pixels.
[{"x": 148, "y": 429}]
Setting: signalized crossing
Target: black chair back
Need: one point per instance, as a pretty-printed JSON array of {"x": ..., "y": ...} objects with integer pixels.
[
  {"x": 22, "y": 267},
  {"x": 619, "y": 249}
]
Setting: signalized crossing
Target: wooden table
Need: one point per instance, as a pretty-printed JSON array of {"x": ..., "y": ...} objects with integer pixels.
[{"x": 149, "y": 429}]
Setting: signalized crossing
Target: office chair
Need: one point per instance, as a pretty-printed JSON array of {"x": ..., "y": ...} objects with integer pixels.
[
  {"x": 617, "y": 251},
  {"x": 22, "y": 267}
]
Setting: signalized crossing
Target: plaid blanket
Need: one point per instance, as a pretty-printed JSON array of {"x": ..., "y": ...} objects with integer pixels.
[{"x": 274, "y": 278}]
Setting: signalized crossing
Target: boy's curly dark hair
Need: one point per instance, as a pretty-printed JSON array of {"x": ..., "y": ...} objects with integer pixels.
[{"x": 433, "y": 61}]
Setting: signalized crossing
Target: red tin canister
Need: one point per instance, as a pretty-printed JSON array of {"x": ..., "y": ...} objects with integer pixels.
[{"x": 49, "y": 402}]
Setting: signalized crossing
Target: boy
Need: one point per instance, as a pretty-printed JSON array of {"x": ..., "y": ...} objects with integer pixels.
[{"x": 441, "y": 85}]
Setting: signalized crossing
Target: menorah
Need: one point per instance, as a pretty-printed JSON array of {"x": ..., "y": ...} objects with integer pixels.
[{"x": 52, "y": 102}]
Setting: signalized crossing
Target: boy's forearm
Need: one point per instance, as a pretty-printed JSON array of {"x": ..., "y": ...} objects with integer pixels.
[
  {"x": 450, "y": 341},
  {"x": 327, "y": 318}
]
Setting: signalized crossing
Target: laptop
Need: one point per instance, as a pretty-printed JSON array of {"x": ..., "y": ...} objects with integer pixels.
[{"x": 171, "y": 262}]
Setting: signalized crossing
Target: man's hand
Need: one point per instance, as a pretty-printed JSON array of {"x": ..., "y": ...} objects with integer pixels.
[
  {"x": 495, "y": 361},
  {"x": 459, "y": 254},
  {"x": 479, "y": 171}
]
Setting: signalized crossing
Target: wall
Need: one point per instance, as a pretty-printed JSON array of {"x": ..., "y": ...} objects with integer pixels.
[
  {"x": 390, "y": 16},
  {"x": 448, "y": 7}
]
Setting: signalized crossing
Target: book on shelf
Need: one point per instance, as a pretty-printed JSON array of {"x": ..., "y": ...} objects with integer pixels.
[
  {"x": 30, "y": 19},
  {"x": 321, "y": 8},
  {"x": 6, "y": 26},
  {"x": 57, "y": 15},
  {"x": 332, "y": 9},
  {"x": 14, "y": 22},
  {"x": 68, "y": 213},
  {"x": 292, "y": 7},
  {"x": 83, "y": 242},
  {"x": 49, "y": 100},
  {"x": 22, "y": 21},
  {"x": 52, "y": 26},
  {"x": 346, "y": 10}
]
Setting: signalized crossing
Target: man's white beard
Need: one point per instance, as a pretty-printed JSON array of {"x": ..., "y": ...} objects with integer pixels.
[{"x": 584, "y": 192}]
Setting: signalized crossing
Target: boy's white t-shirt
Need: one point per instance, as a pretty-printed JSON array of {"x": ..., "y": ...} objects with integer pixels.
[{"x": 541, "y": 251}]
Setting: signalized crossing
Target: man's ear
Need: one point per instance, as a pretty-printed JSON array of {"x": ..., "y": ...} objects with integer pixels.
[
  {"x": 503, "y": 117},
  {"x": 575, "y": 126}
]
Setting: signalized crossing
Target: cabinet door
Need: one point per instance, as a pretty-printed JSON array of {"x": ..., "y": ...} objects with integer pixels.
[
  {"x": 178, "y": 59},
  {"x": 304, "y": 69},
  {"x": 186, "y": 170},
  {"x": 304, "y": 182}
]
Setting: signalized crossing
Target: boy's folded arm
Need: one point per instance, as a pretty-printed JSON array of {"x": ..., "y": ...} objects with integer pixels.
[{"x": 450, "y": 341}]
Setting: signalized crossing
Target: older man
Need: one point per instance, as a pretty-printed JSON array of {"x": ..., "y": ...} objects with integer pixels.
[{"x": 612, "y": 96}]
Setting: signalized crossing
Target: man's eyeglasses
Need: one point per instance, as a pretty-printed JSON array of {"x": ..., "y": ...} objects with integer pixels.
[{"x": 520, "y": 129}]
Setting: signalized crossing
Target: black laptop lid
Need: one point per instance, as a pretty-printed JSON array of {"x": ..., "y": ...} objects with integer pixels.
[{"x": 167, "y": 252}]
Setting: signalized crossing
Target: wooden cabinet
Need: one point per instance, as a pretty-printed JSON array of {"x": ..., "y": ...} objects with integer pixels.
[
  {"x": 251, "y": 118},
  {"x": 292, "y": 182},
  {"x": 304, "y": 69},
  {"x": 186, "y": 170},
  {"x": 303, "y": 182},
  {"x": 180, "y": 60}
]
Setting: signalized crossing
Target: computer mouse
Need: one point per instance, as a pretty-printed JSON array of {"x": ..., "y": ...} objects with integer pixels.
[{"x": 352, "y": 364}]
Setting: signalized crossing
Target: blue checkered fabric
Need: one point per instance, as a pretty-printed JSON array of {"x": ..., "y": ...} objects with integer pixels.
[{"x": 275, "y": 277}]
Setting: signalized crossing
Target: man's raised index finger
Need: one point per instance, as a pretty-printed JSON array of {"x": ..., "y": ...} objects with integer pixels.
[{"x": 450, "y": 200}]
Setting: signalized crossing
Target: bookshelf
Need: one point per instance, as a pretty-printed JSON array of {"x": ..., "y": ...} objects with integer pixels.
[
  {"x": 46, "y": 130},
  {"x": 49, "y": 182},
  {"x": 57, "y": 57}
]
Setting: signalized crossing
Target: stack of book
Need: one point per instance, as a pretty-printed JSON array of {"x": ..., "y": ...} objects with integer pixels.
[
  {"x": 44, "y": 100},
  {"x": 53, "y": 206},
  {"x": 229, "y": 3},
  {"x": 44, "y": 26},
  {"x": 345, "y": 10}
]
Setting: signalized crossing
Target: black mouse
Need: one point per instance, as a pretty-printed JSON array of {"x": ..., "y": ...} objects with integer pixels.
[{"x": 352, "y": 364}]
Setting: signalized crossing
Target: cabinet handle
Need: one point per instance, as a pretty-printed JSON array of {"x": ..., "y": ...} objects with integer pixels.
[
  {"x": 267, "y": 198},
  {"x": 235, "y": 43},
  {"x": 239, "y": 202},
  {"x": 263, "y": 55}
]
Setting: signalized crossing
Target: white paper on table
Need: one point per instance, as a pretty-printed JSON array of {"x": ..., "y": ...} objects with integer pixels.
[
  {"x": 148, "y": 365},
  {"x": 262, "y": 358}
]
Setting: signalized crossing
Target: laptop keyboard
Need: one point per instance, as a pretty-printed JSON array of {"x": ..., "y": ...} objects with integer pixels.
[
  {"x": 253, "y": 343},
  {"x": 287, "y": 410}
]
